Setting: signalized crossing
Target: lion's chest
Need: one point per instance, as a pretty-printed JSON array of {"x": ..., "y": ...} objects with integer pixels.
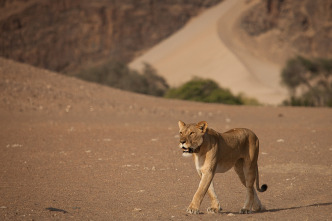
[{"x": 198, "y": 163}]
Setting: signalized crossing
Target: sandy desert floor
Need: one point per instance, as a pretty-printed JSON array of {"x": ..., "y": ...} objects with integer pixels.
[{"x": 72, "y": 150}]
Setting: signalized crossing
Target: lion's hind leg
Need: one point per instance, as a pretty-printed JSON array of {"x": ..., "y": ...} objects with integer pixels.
[
  {"x": 252, "y": 200},
  {"x": 249, "y": 174},
  {"x": 257, "y": 206},
  {"x": 239, "y": 169}
]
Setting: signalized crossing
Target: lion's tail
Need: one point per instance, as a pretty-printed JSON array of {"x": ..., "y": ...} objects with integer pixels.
[{"x": 263, "y": 187}]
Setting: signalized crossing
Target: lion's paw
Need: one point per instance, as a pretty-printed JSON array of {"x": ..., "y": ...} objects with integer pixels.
[
  {"x": 259, "y": 208},
  {"x": 245, "y": 211},
  {"x": 214, "y": 210},
  {"x": 191, "y": 210}
]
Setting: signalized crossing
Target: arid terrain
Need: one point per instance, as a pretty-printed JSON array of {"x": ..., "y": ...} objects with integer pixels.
[
  {"x": 208, "y": 47},
  {"x": 72, "y": 150},
  {"x": 67, "y": 36},
  {"x": 244, "y": 45}
]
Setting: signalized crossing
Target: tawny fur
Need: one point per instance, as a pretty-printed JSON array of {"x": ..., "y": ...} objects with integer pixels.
[{"x": 215, "y": 152}]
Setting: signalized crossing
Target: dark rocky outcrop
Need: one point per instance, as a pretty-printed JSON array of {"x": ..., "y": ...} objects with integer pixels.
[
  {"x": 68, "y": 35},
  {"x": 304, "y": 26}
]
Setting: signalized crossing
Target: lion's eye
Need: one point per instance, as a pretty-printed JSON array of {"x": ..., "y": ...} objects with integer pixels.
[
  {"x": 180, "y": 133},
  {"x": 192, "y": 133}
]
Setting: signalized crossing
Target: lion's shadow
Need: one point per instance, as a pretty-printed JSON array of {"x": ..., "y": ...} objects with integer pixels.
[
  {"x": 289, "y": 208},
  {"x": 296, "y": 207}
]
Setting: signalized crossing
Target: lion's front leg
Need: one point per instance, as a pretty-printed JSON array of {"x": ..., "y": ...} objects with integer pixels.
[
  {"x": 200, "y": 193},
  {"x": 215, "y": 205}
]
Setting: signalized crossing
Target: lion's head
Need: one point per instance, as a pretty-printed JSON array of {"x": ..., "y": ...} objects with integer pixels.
[{"x": 191, "y": 136}]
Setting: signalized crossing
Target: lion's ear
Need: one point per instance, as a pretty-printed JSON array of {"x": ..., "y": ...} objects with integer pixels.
[
  {"x": 202, "y": 126},
  {"x": 181, "y": 124}
]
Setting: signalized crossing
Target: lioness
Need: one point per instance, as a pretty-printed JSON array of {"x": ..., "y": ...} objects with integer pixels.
[{"x": 215, "y": 152}]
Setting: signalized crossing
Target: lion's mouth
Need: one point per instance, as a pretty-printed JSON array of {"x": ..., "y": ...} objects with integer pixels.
[{"x": 188, "y": 150}]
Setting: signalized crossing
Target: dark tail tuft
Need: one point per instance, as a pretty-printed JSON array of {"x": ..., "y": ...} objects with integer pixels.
[{"x": 263, "y": 188}]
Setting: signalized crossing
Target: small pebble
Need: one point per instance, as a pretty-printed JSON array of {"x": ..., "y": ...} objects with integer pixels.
[{"x": 280, "y": 140}]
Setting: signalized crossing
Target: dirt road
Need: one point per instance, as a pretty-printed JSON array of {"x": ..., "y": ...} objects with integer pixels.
[
  {"x": 72, "y": 150},
  {"x": 208, "y": 47}
]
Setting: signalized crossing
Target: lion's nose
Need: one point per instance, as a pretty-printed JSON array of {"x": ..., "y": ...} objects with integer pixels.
[{"x": 182, "y": 141}]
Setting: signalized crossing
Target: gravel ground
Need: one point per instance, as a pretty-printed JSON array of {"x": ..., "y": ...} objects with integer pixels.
[{"x": 72, "y": 150}]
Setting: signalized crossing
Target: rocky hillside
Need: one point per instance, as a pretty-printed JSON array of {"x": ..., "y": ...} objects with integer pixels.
[
  {"x": 67, "y": 35},
  {"x": 285, "y": 28}
]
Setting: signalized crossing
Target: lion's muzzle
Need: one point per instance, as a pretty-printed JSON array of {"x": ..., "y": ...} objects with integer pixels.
[{"x": 187, "y": 150}]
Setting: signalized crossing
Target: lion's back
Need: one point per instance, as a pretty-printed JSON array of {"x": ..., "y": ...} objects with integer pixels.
[{"x": 240, "y": 135}]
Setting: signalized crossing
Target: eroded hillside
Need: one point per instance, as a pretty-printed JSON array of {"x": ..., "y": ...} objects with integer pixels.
[
  {"x": 67, "y": 35},
  {"x": 281, "y": 29}
]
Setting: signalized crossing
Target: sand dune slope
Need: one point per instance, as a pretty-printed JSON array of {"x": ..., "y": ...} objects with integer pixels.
[{"x": 205, "y": 48}]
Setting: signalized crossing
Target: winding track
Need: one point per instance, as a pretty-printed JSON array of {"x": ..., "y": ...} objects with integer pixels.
[{"x": 207, "y": 47}]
